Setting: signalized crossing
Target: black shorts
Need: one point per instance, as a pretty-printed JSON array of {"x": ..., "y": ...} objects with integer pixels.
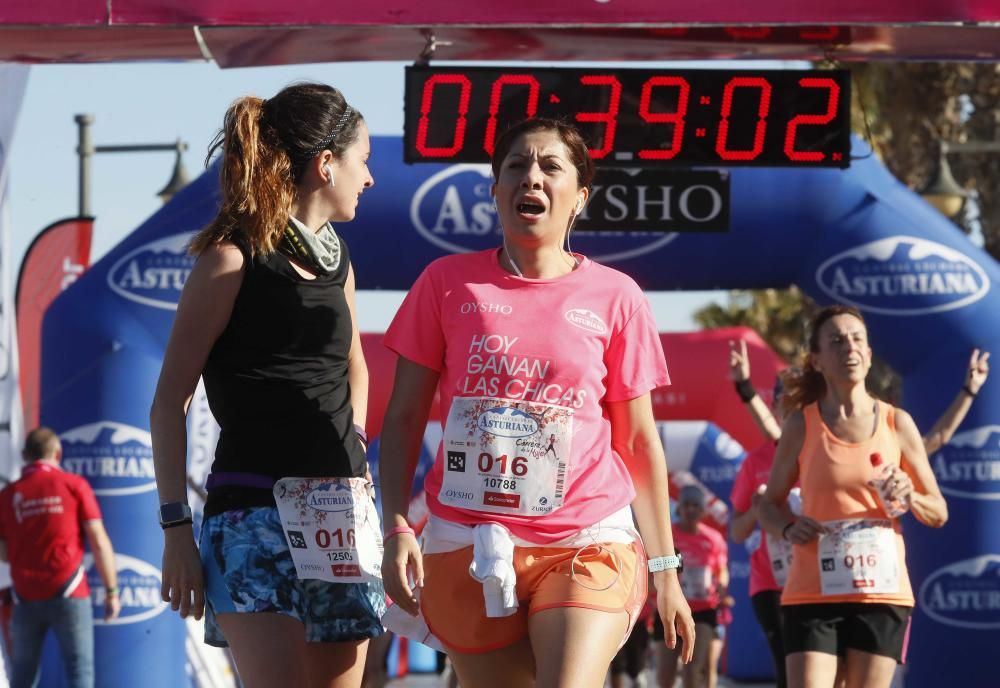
[
  {"x": 631, "y": 658},
  {"x": 879, "y": 629},
  {"x": 706, "y": 616}
]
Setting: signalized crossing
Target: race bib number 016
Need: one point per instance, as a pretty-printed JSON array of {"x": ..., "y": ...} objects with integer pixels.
[
  {"x": 332, "y": 528},
  {"x": 506, "y": 457},
  {"x": 858, "y": 556}
]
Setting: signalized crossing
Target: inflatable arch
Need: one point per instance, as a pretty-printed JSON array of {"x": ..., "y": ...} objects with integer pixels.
[{"x": 856, "y": 236}]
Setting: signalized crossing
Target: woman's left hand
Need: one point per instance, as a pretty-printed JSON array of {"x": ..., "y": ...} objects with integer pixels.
[
  {"x": 674, "y": 613},
  {"x": 898, "y": 487}
]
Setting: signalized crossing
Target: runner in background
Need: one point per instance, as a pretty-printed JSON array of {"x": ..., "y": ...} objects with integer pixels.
[
  {"x": 848, "y": 594},
  {"x": 531, "y": 571},
  {"x": 267, "y": 317},
  {"x": 705, "y": 581}
]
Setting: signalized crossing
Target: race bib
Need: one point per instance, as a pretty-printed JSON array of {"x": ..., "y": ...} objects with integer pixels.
[
  {"x": 858, "y": 556},
  {"x": 332, "y": 528},
  {"x": 506, "y": 457},
  {"x": 779, "y": 551},
  {"x": 696, "y": 582}
]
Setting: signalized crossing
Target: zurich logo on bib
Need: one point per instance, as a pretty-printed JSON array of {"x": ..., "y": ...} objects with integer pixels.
[
  {"x": 116, "y": 459},
  {"x": 965, "y": 593},
  {"x": 903, "y": 275},
  {"x": 154, "y": 273},
  {"x": 969, "y": 465}
]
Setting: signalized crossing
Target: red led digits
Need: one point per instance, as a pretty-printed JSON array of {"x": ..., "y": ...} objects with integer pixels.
[
  {"x": 831, "y": 111},
  {"x": 763, "y": 107},
  {"x": 505, "y": 79},
  {"x": 458, "y": 141},
  {"x": 676, "y": 117},
  {"x": 609, "y": 117}
]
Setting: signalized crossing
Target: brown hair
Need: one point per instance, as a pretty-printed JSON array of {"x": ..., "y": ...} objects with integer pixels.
[
  {"x": 568, "y": 134},
  {"x": 804, "y": 384},
  {"x": 41, "y": 443},
  {"x": 266, "y": 146}
]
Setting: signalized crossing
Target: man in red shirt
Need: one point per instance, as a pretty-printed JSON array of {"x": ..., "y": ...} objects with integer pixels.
[{"x": 42, "y": 518}]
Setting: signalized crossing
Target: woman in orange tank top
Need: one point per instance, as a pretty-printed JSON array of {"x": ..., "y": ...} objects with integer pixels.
[{"x": 848, "y": 594}]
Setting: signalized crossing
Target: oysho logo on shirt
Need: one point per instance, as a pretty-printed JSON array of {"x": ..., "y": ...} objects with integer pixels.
[
  {"x": 586, "y": 320},
  {"x": 969, "y": 465},
  {"x": 116, "y": 459},
  {"x": 903, "y": 275},
  {"x": 138, "y": 589},
  {"x": 484, "y": 307},
  {"x": 965, "y": 593},
  {"x": 154, "y": 273}
]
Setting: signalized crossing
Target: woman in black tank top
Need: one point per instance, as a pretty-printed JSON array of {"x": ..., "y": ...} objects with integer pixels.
[{"x": 267, "y": 317}]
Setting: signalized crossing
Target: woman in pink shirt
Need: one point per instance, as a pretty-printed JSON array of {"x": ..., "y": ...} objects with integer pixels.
[{"x": 531, "y": 572}]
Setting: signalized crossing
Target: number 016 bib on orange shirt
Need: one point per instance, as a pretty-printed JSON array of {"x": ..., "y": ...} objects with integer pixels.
[
  {"x": 858, "y": 556},
  {"x": 506, "y": 457}
]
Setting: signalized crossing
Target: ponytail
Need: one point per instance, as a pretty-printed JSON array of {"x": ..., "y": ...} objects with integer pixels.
[{"x": 255, "y": 181}]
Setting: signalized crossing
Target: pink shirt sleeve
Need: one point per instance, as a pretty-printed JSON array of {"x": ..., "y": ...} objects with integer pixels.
[
  {"x": 635, "y": 359},
  {"x": 415, "y": 332}
]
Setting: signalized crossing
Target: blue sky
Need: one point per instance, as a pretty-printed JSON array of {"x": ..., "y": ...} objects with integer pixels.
[{"x": 158, "y": 103}]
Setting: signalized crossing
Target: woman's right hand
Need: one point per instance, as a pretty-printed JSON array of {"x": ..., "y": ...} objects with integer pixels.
[
  {"x": 401, "y": 558},
  {"x": 739, "y": 361},
  {"x": 183, "y": 584},
  {"x": 803, "y": 530}
]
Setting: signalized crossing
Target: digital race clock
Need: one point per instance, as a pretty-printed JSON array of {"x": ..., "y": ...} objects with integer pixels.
[{"x": 635, "y": 117}]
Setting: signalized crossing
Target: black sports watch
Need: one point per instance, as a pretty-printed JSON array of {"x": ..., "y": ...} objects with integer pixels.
[{"x": 173, "y": 514}]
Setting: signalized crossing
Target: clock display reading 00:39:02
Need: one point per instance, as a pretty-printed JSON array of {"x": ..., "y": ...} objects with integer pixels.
[{"x": 636, "y": 117}]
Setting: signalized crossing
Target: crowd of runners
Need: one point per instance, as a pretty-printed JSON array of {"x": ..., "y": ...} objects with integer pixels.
[{"x": 550, "y": 554}]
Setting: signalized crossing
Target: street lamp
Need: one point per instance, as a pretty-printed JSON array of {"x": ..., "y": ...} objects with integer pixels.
[
  {"x": 942, "y": 191},
  {"x": 86, "y": 149}
]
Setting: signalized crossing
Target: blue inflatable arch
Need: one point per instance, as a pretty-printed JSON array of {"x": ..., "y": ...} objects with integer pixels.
[{"x": 855, "y": 236}]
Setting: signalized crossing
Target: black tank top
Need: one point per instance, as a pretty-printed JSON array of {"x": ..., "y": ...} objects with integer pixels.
[{"x": 276, "y": 381}]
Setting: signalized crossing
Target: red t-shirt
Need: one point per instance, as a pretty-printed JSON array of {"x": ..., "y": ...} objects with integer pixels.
[
  {"x": 753, "y": 473},
  {"x": 41, "y": 518},
  {"x": 705, "y": 557}
]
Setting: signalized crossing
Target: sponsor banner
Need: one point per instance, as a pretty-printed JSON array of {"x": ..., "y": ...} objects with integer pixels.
[
  {"x": 903, "y": 275},
  {"x": 657, "y": 200},
  {"x": 153, "y": 274},
  {"x": 964, "y": 594},
  {"x": 969, "y": 465},
  {"x": 138, "y": 590},
  {"x": 116, "y": 459},
  {"x": 56, "y": 258}
]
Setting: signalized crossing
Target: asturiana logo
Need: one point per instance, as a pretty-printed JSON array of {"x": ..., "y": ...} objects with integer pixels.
[
  {"x": 969, "y": 465},
  {"x": 138, "y": 589},
  {"x": 586, "y": 320},
  {"x": 154, "y": 273},
  {"x": 453, "y": 210},
  {"x": 903, "y": 275},
  {"x": 116, "y": 459},
  {"x": 965, "y": 593},
  {"x": 331, "y": 497},
  {"x": 504, "y": 421}
]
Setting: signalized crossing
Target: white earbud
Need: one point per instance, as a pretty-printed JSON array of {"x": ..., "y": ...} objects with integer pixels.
[
  {"x": 579, "y": 207},
  {"x": 329, "y": 173}
]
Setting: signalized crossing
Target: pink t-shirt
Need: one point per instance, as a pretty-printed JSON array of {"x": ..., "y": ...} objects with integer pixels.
[
  {"x": 753, "y": 473},
  {"x": 705, "y": 557},
  {"x": 526, "y": 368}
]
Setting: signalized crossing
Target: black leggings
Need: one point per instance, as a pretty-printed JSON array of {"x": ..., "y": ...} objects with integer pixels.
[{"x": 767, "y": 609}]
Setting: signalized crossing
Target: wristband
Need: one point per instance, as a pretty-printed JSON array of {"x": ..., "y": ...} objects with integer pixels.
[
  {"x": 969, "y": 391},
  {"x": 111, "y": 591},
  {"x": 393, "y": 532},
  {"x": 784, "y": 531},
  {"x": 745, "y": 390}
]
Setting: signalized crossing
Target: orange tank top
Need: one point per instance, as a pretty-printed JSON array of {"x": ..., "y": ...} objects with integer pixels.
[{"x": 833, "y": 475}]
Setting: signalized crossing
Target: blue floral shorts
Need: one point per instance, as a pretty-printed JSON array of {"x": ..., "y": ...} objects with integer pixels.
[{"x": 248, "y": 568}]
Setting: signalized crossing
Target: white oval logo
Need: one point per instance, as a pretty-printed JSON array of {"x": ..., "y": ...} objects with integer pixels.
[
  {"x": 154, "y": 273},
  {"x": 903, "y": 275},
  {"x": 965, "y": 594},
  {"x": 116, "y": 459},
  {"x": 969, "y": 465},
  {"x": 504, "y": 421},
  {"x": 453, "y": 210},
  {"x": 331, "y": 497},
  {"x": 585, "y": 320},
  {"x": 138, "y": 590}
]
